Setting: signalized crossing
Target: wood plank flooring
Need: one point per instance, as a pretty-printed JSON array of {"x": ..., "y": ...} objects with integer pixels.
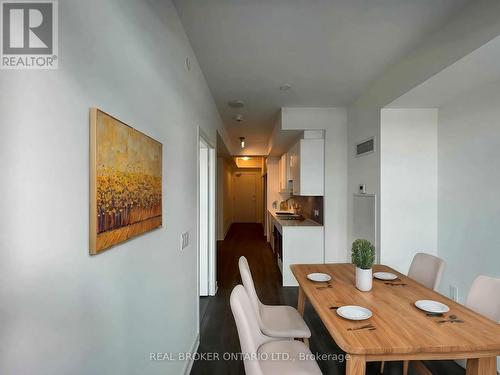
[{"x": 217, "y": 328}]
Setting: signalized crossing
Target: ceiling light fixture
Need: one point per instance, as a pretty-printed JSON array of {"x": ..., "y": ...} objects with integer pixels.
[
  {"x": 285, "y": 87},
  {"x": 235, "y": 103},
  {"x": 245, "y": 158},
  {"x": 238, "y": 118},
  {"x": 242, "y": 142}
]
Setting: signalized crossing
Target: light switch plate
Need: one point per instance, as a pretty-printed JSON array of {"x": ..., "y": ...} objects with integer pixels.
[{"x": 316, "y": 213}]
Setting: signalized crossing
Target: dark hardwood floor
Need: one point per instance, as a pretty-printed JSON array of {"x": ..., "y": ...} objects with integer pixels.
[{"x": 218, "y": 331}]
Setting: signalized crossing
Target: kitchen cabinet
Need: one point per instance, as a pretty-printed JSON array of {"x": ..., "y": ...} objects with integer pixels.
[
  {"x": 284, "y": 174},
  {"x": 307, "y": 167},
  {"x": 296, "y": 242}
]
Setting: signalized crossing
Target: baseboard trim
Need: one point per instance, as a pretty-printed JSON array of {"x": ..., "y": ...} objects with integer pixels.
[{"x": 194, "y": 349}]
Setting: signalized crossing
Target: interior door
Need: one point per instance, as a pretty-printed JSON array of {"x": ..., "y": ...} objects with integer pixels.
[{"x": 245, "y": 203}]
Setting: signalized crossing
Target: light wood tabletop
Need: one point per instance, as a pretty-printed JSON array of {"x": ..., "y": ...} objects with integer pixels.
[{"x": 402, "y": 332}]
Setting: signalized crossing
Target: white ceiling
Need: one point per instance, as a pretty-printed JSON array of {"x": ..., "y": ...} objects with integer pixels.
[
  {"x": 476, "y": 69},
  {"x": 327, "y": 50}
]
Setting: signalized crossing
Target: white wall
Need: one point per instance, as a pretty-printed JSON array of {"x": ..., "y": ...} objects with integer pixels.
[
  {"x": 220, "y": 198},
  {"x": 469, "y": 180},
  {"x": 409, "y": 172},
  {"x": 473, "y": 26},
  {"x": 273, "y": 188},
  {"x": 224, "y": 197},
  {"x": 363, "y": 123},
  {"x": 334, "y": 122},
  {"x": 64, "y": 312}
]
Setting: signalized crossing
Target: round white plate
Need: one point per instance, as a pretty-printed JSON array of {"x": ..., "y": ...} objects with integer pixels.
[
  {"x": 354, "y": 312},
  {"x": 319, "y": 277},
  {"x": 432, "y": 306},
  {"x": 385, "y": 276}
]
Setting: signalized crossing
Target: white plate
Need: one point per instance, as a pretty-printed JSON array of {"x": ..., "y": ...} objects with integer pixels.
[
  {"x": 354, "y": 312},
  {"x": 319, "y": 277},
  {"x": 385, "y": 276},
  {"x": 432, "y": 306}
]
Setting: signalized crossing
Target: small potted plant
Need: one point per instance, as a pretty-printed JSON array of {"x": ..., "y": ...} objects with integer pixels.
[{"x": 363, "y": 256}]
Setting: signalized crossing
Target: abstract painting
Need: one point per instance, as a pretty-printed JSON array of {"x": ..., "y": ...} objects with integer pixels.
[{"x": 125, "y": 182}]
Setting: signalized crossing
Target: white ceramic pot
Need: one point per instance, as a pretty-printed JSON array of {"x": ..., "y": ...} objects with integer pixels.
[{"x": 364, "y": 279}]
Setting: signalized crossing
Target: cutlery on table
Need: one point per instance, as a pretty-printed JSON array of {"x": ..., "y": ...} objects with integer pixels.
[
  {"x": 323, "y": 287},
  {"x": 362, "y": 327},
  {"x": 396, "y": 284},
  {"x": 451, "y": 319}
]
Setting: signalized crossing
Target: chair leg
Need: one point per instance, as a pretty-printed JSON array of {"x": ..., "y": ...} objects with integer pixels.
[
  {"x": 382, "y": 366},
  {"x": 405, "y": 367},
  {"x": 420, "y": 368}
]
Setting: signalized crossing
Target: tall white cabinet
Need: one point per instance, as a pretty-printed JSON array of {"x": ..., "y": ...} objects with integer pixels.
[{"x": 307, "y": 167}]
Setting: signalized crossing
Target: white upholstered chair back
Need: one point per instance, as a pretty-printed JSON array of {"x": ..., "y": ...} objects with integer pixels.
[
  {"x": 251, "y": 338},
  {"x": 427, "y": 269},
  {"x": 246, "y": 278},
  {"x": 484, "y": 297}
]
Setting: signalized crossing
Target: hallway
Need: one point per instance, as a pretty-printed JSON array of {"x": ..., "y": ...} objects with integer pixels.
[{"x": 218, "y": 330}]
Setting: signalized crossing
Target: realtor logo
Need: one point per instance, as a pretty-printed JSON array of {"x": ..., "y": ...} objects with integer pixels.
[{"x": 29, "y": 34}]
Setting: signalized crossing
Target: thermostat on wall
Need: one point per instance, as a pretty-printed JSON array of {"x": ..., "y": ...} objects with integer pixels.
[{"x": 362, "y": 188}]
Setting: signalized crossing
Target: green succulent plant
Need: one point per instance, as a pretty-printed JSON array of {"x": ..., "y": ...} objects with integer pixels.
[{"x": 363, "y": 254}]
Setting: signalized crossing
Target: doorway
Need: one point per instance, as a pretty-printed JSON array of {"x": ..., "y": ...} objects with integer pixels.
[
  {"x": 207, "y": 282},
  {"x": 245, "y": 197}
]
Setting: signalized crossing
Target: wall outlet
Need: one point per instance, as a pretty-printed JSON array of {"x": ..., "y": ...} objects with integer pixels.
[
  {"x": 454, "y": 293},
  {"x": 316, "y": 213},
  {"x": 184, "y": 240}
]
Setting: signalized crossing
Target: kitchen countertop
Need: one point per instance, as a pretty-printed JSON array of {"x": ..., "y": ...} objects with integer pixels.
[{"x": 294, "y": 223}]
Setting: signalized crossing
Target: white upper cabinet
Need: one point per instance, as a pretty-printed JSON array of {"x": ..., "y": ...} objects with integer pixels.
[
  {"x": 307, "y": 167},
  {"x": 284, "y": 174}
]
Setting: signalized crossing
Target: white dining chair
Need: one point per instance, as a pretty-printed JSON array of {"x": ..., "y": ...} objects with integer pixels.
[
  {"x": 427, "y": 270},
  {"x": 274, "y": 321},
  {"x": 484, "y": 297},
  {"x": 263, "y": 355}
]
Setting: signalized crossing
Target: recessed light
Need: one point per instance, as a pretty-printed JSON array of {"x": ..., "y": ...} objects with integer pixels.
[
  {"x": 285, "y": 87},
  {"x": 245, "y": 158},
  {"x": 235, "y": 103}
]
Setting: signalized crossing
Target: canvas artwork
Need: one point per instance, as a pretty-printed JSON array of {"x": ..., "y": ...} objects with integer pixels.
[{"x": 126, "y": 182}]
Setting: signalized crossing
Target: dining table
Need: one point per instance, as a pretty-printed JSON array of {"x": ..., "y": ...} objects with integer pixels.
[{"x": 397, "y": 329}]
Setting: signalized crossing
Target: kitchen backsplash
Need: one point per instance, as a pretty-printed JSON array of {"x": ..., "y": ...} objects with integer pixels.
[{"x": 307, "y": 206}]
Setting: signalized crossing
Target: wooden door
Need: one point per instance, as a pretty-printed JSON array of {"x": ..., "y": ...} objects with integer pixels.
[{"x": 244, "y": 205}]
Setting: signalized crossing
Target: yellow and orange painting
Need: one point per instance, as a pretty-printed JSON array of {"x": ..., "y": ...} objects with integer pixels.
[{"x": 126, "y": 182}]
